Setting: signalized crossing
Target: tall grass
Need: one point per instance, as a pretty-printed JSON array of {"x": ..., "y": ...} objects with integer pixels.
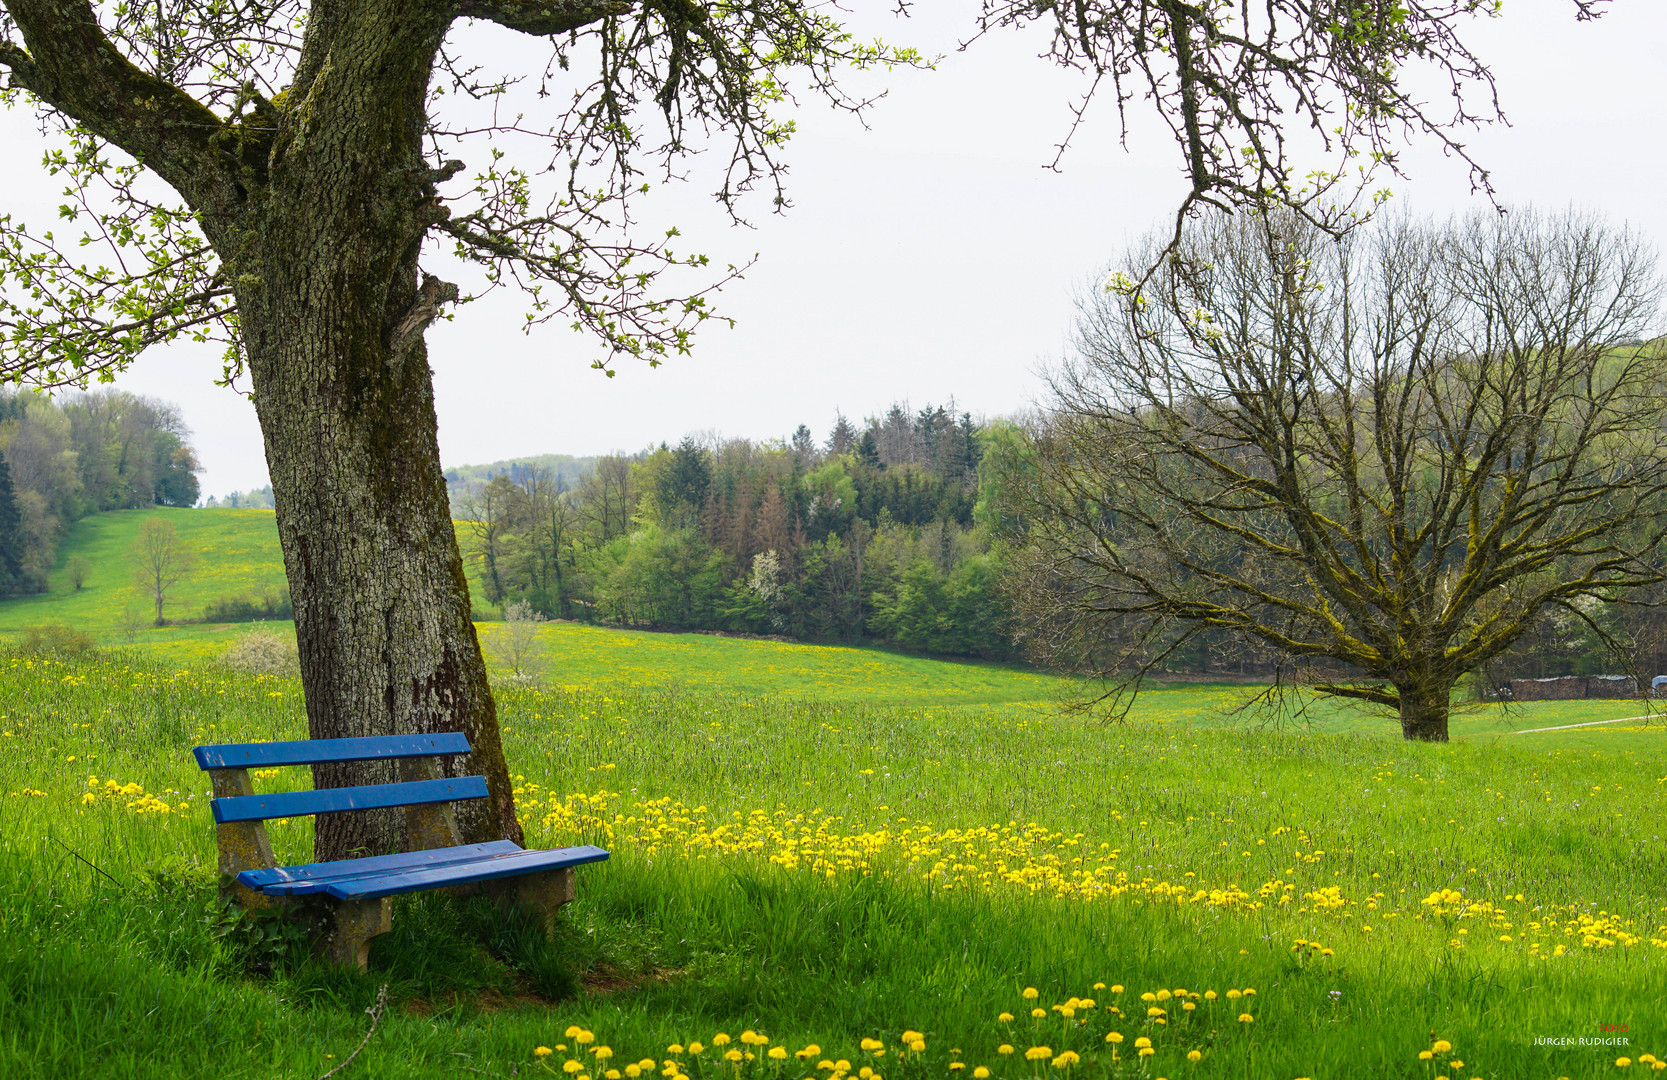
[{"x": 815, "y": 872}]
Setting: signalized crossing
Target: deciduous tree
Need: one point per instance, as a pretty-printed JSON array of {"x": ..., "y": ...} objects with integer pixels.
[
  {"x": 1379, "y": 462},
  {"x": 160, "y": 558}
]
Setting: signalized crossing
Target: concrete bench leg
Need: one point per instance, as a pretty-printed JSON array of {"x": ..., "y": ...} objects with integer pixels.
[
  {"x": 539, "y": 895},
  {"x": 352, "y": 924}
]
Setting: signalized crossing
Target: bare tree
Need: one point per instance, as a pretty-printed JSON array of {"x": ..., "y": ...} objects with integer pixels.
[
  {"x": 488, "y": 513},
  {"x": 607, "y": 498},
  {"x": 160, "y": 559},
  {"x": 517, "y": 639},
  {"x": 1377, "y": 461}
]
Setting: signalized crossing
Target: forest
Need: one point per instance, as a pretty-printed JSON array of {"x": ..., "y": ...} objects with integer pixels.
[
  {"x": 64, "y": 458},
  {"x": 906, "y": 529},
  {"x": 875, "y": 534}
]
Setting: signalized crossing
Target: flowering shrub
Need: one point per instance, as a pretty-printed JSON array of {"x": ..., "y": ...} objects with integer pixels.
[{"x": 264, "y": 651}]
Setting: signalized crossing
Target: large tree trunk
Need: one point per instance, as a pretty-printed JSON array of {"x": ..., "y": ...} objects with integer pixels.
[
  {"x": 1424, "y": 709},
  {"x": 332, "y": 317}
]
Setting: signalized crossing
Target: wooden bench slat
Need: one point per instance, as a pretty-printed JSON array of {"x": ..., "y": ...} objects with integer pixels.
[
  {"x": 371, "y": 886},
  {"x": 336, "y": 800},
  {"x": 310, "y": 878},
  {"x": 318, "y": 751}
]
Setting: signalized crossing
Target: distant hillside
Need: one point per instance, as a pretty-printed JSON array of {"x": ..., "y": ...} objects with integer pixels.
[
  {"x": 237, "y": 555},
  {"x": 461, "y": 482},
  {"x": 466, "y": 480}
]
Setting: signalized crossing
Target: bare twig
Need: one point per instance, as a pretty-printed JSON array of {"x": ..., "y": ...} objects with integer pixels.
[
  {"x": 88, "y": 861},
  {"x": 375, "y": 1012}
]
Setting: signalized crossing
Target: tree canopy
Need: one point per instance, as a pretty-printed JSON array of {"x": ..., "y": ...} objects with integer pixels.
[{"x": 1302, "y": 102}]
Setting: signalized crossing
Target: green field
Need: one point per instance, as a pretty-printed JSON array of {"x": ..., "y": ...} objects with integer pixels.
[
  {"x": 824, "y": 871},
  {"x": 237, "y": 555},
  {"x": 826, "y": 846}
]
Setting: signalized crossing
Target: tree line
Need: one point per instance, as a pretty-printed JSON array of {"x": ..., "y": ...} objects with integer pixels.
[
  {"x": 874, "y": 534},
  {"x": 64, "y": 458}
]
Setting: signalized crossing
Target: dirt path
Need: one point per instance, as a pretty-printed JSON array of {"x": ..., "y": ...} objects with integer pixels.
[{"x": 1590, "y": 723}]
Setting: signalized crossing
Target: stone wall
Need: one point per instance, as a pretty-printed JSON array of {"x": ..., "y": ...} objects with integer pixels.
[{"x": 1573, "y": 687}]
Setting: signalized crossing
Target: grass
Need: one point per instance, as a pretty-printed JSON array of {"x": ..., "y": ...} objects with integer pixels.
[
  {"x": 828, "y": 845},
  {"x": 825, "y": 863},
  {"x": 237, "y": 555}
]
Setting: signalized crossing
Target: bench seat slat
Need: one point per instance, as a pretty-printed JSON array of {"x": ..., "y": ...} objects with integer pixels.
[
  {"x": 371, "y": 886},
  {"x": 335, "y": 800},
  {"x": 310, "y": 878},
  {"x": 318, "y": 751}
]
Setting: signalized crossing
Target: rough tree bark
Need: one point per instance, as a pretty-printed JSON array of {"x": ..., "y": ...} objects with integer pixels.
[
  {"x": 332, "y": 313},
  {"x": 1424, "y": 706}
]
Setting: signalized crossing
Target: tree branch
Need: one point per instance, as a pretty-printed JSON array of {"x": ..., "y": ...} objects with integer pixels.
[
  {"x": 72, "y": 66},
  {"x": 542, "y": 17}
]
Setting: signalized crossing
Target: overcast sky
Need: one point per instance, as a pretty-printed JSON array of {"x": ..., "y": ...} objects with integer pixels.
[{"x": 933, "y": 255}]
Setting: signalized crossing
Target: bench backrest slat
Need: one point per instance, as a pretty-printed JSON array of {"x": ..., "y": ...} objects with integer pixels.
[
  {"x": 318, "y": 751},
  {"x": 335, "y": 800}
]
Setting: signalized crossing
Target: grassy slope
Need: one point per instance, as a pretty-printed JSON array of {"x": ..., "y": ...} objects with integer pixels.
[{"x": 237, "y": 554}]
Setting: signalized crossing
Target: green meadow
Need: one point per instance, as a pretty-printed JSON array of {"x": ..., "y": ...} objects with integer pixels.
[{"x": 857, "y": 860}]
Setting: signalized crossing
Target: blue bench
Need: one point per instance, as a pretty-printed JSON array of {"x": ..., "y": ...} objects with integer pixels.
[{"x": 355, "y": 892}]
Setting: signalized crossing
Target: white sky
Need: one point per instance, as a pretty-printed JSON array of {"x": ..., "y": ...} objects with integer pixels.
[{"x": 933, "y": 255}]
